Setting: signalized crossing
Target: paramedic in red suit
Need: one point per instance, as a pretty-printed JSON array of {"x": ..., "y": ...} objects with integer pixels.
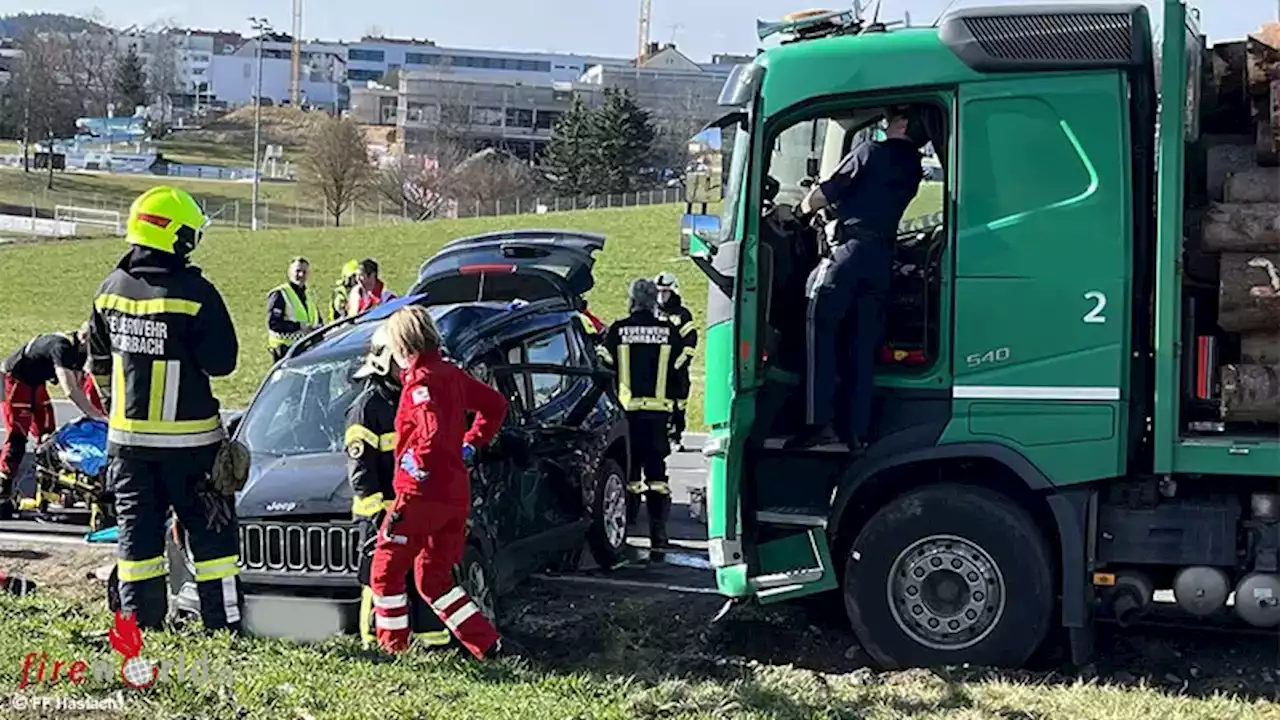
[{"x": 426, "y": 529}]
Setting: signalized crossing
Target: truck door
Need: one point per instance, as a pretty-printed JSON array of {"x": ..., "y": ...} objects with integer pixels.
[{"x": 1043, "y": 253}]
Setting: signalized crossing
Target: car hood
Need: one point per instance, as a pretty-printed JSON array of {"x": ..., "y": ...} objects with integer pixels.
[{"x": 297, "y": 485}]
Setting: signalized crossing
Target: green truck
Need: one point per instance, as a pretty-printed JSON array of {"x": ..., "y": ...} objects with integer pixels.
[{"x": 1055, "y": 440}]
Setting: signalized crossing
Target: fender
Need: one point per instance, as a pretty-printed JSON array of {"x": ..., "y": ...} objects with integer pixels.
[{"x": 1068, "y": 508}]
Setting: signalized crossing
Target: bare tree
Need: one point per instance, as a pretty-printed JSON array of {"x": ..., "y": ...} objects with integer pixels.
[
  {"x": 45, "y": 100},
  {"x": 336, "y": 164},
  {"x": 161, "y": 68}
]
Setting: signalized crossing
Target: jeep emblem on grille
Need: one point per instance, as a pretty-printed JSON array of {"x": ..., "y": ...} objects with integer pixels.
[{"x": 281, "y": 506}]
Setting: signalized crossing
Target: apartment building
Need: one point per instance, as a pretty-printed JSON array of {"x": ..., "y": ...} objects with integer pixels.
[{"x": 372, "y": 58}]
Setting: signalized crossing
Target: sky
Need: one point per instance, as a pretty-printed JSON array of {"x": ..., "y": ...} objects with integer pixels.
[{"x": 598, "y": 27}]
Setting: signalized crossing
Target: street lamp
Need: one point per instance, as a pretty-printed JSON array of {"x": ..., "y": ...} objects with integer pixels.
[{"x": 261, "y": 26}]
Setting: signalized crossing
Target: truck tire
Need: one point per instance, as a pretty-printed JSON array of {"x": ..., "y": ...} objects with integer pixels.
[
  {"x": 607, "y": 536},
  {"x": 950, "y": 574}
]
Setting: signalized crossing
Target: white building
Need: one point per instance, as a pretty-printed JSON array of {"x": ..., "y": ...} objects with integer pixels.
[
  {"x": 322, "y": 81},
  {"x": 373, "y": 57}
]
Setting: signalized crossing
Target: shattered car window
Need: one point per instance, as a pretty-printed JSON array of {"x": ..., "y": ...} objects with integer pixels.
[{"x": 302, "y": 410}]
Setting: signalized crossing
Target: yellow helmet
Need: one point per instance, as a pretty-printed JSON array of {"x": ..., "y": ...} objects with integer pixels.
[
  {"x": 166, "y": 219},
  {"x": 351, "y": 269}
]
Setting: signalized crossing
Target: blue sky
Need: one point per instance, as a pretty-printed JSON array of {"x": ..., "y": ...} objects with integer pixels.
[{"x": 603, "y": 27}]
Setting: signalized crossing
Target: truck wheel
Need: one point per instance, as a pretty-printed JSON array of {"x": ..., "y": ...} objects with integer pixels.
[
  {"x": 946, "y": 575},
  {"x": 608, "y": 533}
]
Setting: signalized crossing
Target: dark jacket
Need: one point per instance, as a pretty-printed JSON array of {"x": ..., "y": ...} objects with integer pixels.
[
  {"x": 159, "y": 330},
  {"x": 681, "y": 319},
  {"x": 639, "y": 346},
  {"x": 371, "y": 447}
]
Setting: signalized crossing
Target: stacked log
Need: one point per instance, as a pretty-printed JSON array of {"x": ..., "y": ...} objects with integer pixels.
[{"x": 1245, "y": 229}]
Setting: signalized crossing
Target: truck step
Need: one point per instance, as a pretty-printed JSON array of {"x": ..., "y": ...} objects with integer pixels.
[
  {"x": 792, "y": 516},
  {"x": 787, "y": 579},
  {"x": 779, "y": 443}
]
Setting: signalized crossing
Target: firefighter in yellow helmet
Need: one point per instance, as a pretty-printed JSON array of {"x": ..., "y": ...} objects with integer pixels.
[
  {"x": 342, "y": 290},
  {"x": 159, "y": 330}
]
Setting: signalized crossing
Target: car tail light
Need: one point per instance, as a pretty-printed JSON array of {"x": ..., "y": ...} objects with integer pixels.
[{"x": 493, "y": 268}]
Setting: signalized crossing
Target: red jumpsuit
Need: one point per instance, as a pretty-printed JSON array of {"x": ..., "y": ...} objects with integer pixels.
[
  {"x": 426, "y": 529},
  {"x": 26, "y": 410}
]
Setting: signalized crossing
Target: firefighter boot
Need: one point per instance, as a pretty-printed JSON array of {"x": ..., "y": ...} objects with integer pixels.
[
  {"x": 8, "y": 499},
  {"x": 659, "y": 504}
]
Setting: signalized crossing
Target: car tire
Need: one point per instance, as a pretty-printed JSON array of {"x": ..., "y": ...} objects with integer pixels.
[
  {"x": 610, "y": 515},
  {"x": 947, "y": 575},
  {"x": 477, "y": 578}
]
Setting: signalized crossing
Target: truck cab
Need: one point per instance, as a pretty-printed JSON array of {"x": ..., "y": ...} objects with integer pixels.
[{"x": 1038, "y": 455}]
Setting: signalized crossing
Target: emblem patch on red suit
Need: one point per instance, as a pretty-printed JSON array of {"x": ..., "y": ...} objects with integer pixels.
[{"x": 420, "y": 395}]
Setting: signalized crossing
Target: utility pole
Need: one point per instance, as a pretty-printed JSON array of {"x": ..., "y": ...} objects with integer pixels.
[
  {"x": 262, "y": 27},
  {"x": 295, "y": 57}
]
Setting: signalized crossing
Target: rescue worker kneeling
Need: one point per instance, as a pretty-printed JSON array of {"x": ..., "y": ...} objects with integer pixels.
[
  {"x": 371, "y": 445},
  {"x": 647, "y": 354},
  {"x": 426, "y": 527},
  {"x": 158, "y": 331}
]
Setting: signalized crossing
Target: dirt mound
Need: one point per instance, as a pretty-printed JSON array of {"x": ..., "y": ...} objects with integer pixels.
[{"x": 280, "y": 126}]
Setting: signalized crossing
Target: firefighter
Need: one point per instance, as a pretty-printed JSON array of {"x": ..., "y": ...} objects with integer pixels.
[
  {"x": 159, "y": 331},
  {"x": 57, "y": 358},
  {"x": 292, "y": 310},
  {"x": 671, "y": 309},
  {"x": 369, "y": 289},
  {"x": 426, "y": 528},
  {"x": 644, "y": 350},
  {"x": 371, "y": 444},
  {"x": 342, "y": 290}
]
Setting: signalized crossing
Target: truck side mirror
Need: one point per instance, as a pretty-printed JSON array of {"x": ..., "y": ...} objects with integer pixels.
[
  {"x": 704, "y": 168},
  {"x": 699, "y": 235}
]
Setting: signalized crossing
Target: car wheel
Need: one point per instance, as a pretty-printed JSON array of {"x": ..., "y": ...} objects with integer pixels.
[
  {"x": 947, "y": 575},
  {"x": 477, "y": 579},
  {"x": 609, "y": 514}
]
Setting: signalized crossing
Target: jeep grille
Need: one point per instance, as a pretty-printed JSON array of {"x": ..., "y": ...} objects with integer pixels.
[{"x": 304, "y": 548}]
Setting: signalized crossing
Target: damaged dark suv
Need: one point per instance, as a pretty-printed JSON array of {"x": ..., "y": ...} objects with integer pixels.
[{"x": 552, "y": 483}]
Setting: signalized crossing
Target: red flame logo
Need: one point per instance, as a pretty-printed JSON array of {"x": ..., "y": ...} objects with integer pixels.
[{"x": 126, "y": 638}]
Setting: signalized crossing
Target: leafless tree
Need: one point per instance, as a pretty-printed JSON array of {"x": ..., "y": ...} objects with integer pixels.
[
  {"x": 45, "y": 100},
  {"x": 161, "y": 67},
  {"x": 336, "y": 164}
]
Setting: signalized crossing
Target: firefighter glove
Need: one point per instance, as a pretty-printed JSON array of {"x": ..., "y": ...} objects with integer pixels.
[
  {"x": 231, "y": 467},
  {"x": 468, "y": 454}
]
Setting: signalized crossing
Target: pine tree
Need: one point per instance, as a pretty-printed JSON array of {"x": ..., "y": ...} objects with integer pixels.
[
  {"x": 131, "y": 82},
  {"x": 623, "y": 143},
  {"x": 568, "y": 160}
]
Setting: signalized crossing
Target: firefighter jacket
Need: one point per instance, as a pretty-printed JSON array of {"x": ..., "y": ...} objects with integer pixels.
[
  {"x": 431, "y": 428},
  {"x": 681, "y": 319},
  {"x": 643, "y": 350},
  {"x": 159, "y": 330},
  {"x": 371, "y": 446},
  {"x": 288, "y": 310},
  {"x": 338, "y": 301}
]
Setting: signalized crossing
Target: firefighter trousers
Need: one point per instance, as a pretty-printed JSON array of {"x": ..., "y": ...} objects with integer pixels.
[
  {"x": 427, "y": 628},
  {"x": 144, "y": 492},
  {"x": 26, "y": 411},
  {"x": 649, "y": 450},
  {"x": 429, "y": 539}
]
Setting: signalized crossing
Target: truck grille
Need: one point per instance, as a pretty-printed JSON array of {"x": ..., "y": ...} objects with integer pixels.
[{"x": 305, "y": 548}]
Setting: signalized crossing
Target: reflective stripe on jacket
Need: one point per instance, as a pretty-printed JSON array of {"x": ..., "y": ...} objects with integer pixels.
[{"x": 295, "y": 311}]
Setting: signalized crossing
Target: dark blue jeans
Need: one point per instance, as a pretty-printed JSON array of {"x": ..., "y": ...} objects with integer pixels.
[{"x": 844, "y": 328}]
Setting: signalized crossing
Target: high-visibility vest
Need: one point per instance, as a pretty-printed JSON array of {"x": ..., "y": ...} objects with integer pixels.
[{"x": 294, "y": 310}]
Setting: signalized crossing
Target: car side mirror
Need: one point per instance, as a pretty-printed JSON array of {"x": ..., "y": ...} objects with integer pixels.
[{"x": 233, "y": 423}]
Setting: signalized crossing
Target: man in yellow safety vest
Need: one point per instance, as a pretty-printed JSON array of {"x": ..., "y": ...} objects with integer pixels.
[{"x": 292, "y": 311}]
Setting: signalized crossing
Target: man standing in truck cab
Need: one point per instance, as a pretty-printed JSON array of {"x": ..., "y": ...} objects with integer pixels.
[
  {"x": 371, "y": 444},
  {"x": 292, "y": 311},
  {"x": 671, "y": 309},
  {"x": 25, "y": 406},
  {"x": 644, "y": 350},
  {"x": 867, "y": 195}
]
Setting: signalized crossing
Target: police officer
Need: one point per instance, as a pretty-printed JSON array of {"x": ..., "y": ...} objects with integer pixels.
[
  {"x": 158, "y": 331},
  {"x": 869, "y": 192},
  {"x": 342, "y": 289},
  {"x": 671, "y": 309},
  {"x": 371, "y": 445},
  {"x": 644, "y": 350},
  {"x": 292, "y": 311}
]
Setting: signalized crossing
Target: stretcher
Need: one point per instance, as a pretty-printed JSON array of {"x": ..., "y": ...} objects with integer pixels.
[{"x": 71, "y": 471}]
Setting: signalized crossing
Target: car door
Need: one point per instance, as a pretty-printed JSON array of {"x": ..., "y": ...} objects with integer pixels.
[
  {"x": 557, "y": 389},
  {"x": 497, "y": 475}
]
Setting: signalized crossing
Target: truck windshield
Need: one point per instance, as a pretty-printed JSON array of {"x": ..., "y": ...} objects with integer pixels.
[{"x": 737, "y": 174}]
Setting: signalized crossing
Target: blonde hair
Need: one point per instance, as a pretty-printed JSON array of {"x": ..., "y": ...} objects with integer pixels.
[{"x": 411, "y": 331}]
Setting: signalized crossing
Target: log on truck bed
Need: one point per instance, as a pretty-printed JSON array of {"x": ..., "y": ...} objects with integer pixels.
[
  {"x": 1251, "y": 393},
  {"x": 1243, "y": 227},
  {"x": 1249, "y": 292},
  {"x": 1260, "y": 348},
  {"x": 1253, "y": 185}
]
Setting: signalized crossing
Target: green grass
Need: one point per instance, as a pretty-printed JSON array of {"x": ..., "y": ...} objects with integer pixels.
[
  {"x": 49, "y": 286},
  {"x": 603, "y": 657}
]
